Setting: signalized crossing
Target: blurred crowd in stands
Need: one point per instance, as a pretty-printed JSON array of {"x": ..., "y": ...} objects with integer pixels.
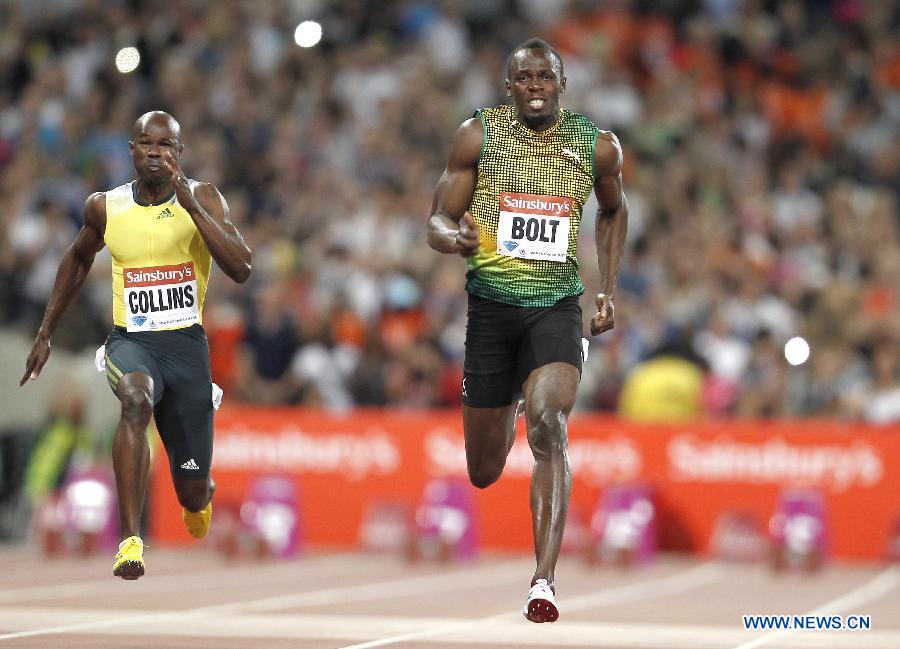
[{"x": 762, "y": 158}]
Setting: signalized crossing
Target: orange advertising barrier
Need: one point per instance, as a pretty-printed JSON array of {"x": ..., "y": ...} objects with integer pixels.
[{"x": 342, "y": 465}]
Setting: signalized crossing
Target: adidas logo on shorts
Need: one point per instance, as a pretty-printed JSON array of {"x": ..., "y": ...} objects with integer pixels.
[{"x": 190, "y": 464}]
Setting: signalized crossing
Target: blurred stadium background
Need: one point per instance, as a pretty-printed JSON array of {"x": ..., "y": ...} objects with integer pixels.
[{"x": 758, "y": 307}]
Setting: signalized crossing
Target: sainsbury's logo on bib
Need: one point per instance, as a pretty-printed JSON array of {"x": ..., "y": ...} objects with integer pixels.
[
  {"x": 533, "y": 226},
  {"x": 160, "y": 297},
  {"x": 158, "y": 275},
  {"x": 536, "y": 204}
]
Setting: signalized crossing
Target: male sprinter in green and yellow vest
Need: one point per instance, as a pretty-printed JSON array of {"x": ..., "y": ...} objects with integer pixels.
[
  {"x": 510, "y": 201},
  {"x": 163, "y": 231}
]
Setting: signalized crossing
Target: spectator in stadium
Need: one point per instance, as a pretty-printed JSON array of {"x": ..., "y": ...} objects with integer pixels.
[{"x": 728, "y": 127}]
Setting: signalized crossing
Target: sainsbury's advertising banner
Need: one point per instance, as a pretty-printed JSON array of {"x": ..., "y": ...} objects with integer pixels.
[{"x": 343, "y": 465}]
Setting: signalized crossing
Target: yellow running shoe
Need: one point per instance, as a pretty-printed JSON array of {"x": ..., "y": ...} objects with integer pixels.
[
  {"x": 130, "y": 559},
  {"x": 197, "y": 523}
]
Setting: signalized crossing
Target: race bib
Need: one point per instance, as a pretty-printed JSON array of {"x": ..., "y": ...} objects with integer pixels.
[
  {"x": 533, "y": 226},
  {"x": 160, "y": 297}
]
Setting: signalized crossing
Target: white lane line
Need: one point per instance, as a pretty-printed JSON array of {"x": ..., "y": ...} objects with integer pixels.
[
  {"x": 271, "y": 625},
  {"x": 507, "y": 633},
  {"x": 676, "y": 584},
  {"x": 479, "y": 576},
  {"x": 600, "y": 635},
  {"x": 670, "y": 585},
  {"x": 883, "y": 583},
  {"x": 470, "y": 578},
  {"x": 212, "y": 577}
]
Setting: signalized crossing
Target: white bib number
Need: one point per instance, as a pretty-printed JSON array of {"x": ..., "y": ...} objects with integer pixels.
[
  {"x": 533, "y": 226},
  {"x": 160, "y": 297}
]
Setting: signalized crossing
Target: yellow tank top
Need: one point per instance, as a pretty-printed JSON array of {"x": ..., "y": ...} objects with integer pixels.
[
  {"x": 160, "y": 262},
  {"x": 528, "y": 198}
]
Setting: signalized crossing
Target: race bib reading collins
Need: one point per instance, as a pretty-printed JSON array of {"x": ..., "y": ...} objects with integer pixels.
[
  {"x": 533, "y": 226},
  {"x": 160, "y": 297}
]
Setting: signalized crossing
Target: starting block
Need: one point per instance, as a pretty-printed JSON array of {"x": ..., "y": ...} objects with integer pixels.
[
  {"x": 576, "y": 536},
  {"x": 81, "y": 517},
  {"x": 269, "y": 523},
  {"x": 798, "y": 530},
  {"x": 738, "y": 536},
  {"x": 271, "y": 514},
  {"x": 387, "y": 528},
  {"x": 893, "y": 544},
  {"x": 226, "y": 533},
  {"x": 623, "y": 527},
  {"x": 444, "y": 522}
]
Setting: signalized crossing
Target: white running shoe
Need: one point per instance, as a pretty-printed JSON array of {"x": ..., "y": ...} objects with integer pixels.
[{"x": 541, "y": 603}]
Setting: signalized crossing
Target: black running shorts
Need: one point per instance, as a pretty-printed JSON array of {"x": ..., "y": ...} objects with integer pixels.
[
  {"x": 178, "y": 363},
  {"x": 504, "y": 343}
]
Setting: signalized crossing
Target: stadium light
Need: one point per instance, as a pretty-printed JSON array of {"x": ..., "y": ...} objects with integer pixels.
[
  {"x": 796, "y": 351},
  {"x": 308, "y": 33},
  {"x": 128, "y": 59}
]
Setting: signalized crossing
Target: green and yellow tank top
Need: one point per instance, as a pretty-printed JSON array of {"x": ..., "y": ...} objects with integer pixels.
[
  {"x": 528, "y": 198},
  {"x": 160, "y": 262}
]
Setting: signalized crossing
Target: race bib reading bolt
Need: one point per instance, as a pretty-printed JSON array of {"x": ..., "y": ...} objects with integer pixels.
[{"x": 533, "y": 226}]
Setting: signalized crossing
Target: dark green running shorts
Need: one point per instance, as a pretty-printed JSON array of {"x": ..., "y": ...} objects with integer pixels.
[{"x": 178, "y": 362}]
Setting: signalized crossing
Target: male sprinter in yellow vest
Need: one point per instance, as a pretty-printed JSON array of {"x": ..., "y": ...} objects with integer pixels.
[
  {"x": 510, "y": 201},
  {"x": 163, "y": 231}
]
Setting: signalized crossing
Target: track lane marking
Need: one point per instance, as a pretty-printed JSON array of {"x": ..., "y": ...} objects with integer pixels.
[
  {"x": 672, "y": 584},
  {"x": 243, "y": 630},
  {"x": 879, "y": 586},
  {"x": 223, "y": 576},
  {"x": 495, "y": 574}
]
